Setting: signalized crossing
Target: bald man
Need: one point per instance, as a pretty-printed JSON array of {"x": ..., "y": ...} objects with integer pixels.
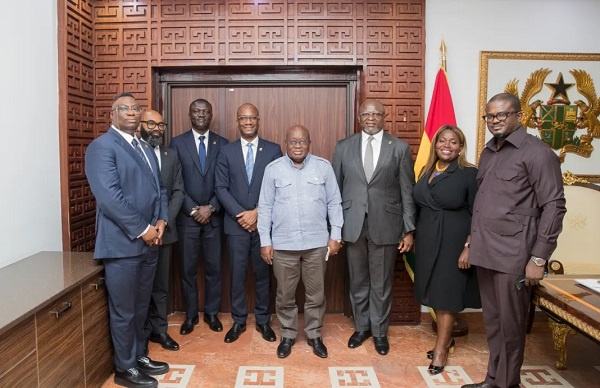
[
  {"x": 298, "y": 195},
  {"x": 152, "y": 131},
  {"x": 238, "y": 176},
  {"x": 375, "y": 174}
]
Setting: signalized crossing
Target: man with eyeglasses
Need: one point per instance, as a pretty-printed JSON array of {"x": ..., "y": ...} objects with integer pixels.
[
  {"x": 200, "y": 221},
  {"x": 298, "y": 195},
  {"x": 131, "y": 216},
  {"x": 152, "y": 130},
  {"x": 239, "y": 174},
  {"x": 518, "y": 213},
  {"x": 375, "y": 174}
]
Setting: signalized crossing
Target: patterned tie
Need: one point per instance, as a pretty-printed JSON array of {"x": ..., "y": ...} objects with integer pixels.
[
  {"x": 202, "y": 154},
  {"x": 138, "y": 149},
  {"x": 249, "y": 162},
  {"x": 369, "y": 168}
]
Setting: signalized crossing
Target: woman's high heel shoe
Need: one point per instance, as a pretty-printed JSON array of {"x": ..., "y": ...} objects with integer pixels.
[
  {"x": 437, "y": 369},
  {"x": 450, "y": 350}
]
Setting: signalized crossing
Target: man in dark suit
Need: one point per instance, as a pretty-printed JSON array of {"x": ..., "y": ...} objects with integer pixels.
[
  {"x": 375, "y": 174},
  {"x": 131, "y": 214},
  {"x": 239, "y": 174},
  {"x": 152, "y": 130},
  {"x": 200, "y": 221}
]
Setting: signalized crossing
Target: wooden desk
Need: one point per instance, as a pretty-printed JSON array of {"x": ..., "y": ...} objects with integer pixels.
[{"x": 572, "y": 308}]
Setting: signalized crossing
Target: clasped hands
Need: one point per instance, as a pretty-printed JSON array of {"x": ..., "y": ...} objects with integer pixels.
[
  {"x": 202, "y": 214},
  {"x": 247, "y": 219},
  {"x": 154, "y": 234}
]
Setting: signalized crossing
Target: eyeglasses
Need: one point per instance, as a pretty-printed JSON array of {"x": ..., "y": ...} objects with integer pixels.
[
  {"x": 501, "y": 116},
  {"x": 376, "y": 115},
  {"x": 126, "y": 108},
  {"x": 153, "y": 124},
  {"x": 244, "y": 118},
  {"x": 294, "y": 143}
]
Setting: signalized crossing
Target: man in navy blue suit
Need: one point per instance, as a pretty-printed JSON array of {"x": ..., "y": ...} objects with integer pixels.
[
  {"x": 131, "y": 214},
  {"x": 200, "y": 221},
  {"x": 240, "y": 168}
]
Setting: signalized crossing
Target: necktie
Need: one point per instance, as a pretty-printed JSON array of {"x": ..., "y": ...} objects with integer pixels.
[
  {"x": 202, "y": 154},
  {"x": 138, "y": 149},
  {"x": 369, "y": 159},
  {"x": 249, "y": 162}
]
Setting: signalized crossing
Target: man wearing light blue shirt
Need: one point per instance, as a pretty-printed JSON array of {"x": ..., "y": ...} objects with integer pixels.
[{"x": 299, "y": 193}]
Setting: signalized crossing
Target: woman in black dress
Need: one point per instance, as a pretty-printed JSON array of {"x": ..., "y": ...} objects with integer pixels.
[{"x": 444, "y": 194}]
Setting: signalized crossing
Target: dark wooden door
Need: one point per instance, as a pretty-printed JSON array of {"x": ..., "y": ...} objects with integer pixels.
[{"x": 324, "y": 109}]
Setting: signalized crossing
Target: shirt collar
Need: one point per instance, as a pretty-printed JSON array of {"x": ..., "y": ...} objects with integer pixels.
[
  {"x": 196, "y": 134},
  {"x": 378, "y": 136},
  {"x": 125, "y": 135},
  {"x": 291, "y": 162},
  {"x": 516, "y": 139},
  {"x": 245, "y": 142}
]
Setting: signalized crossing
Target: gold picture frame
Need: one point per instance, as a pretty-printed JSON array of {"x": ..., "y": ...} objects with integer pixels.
[{"x": 519, "y": 65}]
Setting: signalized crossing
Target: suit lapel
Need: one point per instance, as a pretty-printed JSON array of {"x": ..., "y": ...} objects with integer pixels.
[
  {"x": 239, "y": 159},
  {"x": 384, "y": 153},
  {"x": 211, "y": 151},
  {"x": 190, "y": 144},
  {"x": 120, "y": 140},
  {"x": 153, "y": 162},
  {"x": 261, "y": 159},
  {"x": 357, "y": 151}
]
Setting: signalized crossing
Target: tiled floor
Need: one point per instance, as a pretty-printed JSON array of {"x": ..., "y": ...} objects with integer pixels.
[{"x": 204, "y": 360}]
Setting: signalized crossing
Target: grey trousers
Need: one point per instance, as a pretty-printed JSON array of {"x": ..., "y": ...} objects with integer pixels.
[{"x": 287, "y": 267}]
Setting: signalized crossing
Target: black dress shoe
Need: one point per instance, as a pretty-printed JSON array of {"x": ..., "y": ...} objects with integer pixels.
[
  {"x": 319, "y": 348},
  {"x": 188, "y": 325},
  {"x": 153, "y": 368},
  {"x": 480, "y": 385},
  {"x": 358, "y": 338},
  {"x": 165, "y": 341},
  {"x": 267, "y": 333},
  {"x": 285, "y": 347},
  {"x": 234, "y": 333},
  {"x": 132, "y": 377},
  {"x": 450, "y": 349},
  {"x": 382, "y": 345},
  {"x": 213, "y": 322}
]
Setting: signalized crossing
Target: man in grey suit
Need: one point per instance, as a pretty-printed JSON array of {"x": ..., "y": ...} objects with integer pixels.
[
  {"x": 375, "y": 174},
  {"x": 152, "y": 130}
]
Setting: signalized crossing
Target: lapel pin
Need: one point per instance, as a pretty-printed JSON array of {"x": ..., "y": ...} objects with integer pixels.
[
  {"x": 215, "y": 142},
  {"x": 390, "y": 142},
  {"x": 165, "y": 153},
  {"x": 260, "y": 149}
]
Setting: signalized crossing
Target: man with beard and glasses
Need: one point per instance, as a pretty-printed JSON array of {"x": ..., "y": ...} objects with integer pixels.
[
  {"x": 200, "y": 221},
  {"x": 240, "y": 169},
  {"x": 152, "y": 130},
  {"x": 131, "y": 216}
]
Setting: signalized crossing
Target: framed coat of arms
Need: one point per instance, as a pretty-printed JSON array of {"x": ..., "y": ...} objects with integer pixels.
[{"x": 559, "y": 99}]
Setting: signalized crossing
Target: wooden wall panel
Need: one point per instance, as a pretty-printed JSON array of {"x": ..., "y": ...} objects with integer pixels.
[{"x": 111, "y": 46}]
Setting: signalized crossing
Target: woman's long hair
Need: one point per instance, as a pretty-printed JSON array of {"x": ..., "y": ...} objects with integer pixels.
[{"x": 433, "y": 158}]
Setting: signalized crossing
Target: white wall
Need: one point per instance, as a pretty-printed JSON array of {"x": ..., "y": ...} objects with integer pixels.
[
  {"x": 30, "y": 218},
  {"x": 471, "y": 26}
]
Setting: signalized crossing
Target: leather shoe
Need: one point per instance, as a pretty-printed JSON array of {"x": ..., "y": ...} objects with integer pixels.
[
  {"x": 234, "y": 333},
  {"x": 480, "y": 385},
  {"x": 285, "y": 347},
  {"x": 132, "y": 377},
  {"x": 213, "y": 322},
  {"x": 267, "y": 333},
  {"x": 381, "y": 345},
  {"x": 152, "y": 368},
  {"x": 358, "y": 338},
  {"x": 188, "y": 325},
  {"x": 165, "y": 341},
  {"x": 319, "y": 348}
]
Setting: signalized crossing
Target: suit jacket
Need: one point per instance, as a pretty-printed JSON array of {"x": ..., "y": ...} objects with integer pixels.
[
  {"x": 172, "y": 180},
  {"x": 231, "y": 181},
  {"x": 199, "y": 187},
  {"x": 129, "y": 196},
  {"x": 389, "y": 193}
]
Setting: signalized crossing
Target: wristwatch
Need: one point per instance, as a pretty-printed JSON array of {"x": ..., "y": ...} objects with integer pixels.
[
  {"x": 538, "y": 261},
  {"x": 212, "y": 208}
]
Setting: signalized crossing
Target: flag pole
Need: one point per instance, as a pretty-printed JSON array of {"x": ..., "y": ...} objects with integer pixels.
[{"x": 443, "y": 50}]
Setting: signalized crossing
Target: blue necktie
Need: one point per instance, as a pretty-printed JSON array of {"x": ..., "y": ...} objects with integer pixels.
[
  {"x": 138, "y": 149},
  {"x": 202, "y": 154},
  {"x": 249, "y": 162}
]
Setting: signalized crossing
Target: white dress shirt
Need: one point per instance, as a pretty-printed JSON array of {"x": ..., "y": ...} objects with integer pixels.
[
  {"x": 157, "y": 152},
  {"x": 197, "y": 140},
  {"x": 245, "y": 147},
  {"x": 376, "y": 143}
]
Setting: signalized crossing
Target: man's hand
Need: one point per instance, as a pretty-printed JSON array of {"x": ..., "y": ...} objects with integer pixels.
[
  {"x": 202, "y": 214},
  {"x": 406, "y": 244},
  {"x": 150, "y": 236},
  {"x": 334, "y": 247},
  {"x": 247, "y": 219},
  {"x": 463, "y": 259},
  {"x": 533, "y": 274},
  {"x": 267, "y": 254},
  {"x": 160, "y": 228}
]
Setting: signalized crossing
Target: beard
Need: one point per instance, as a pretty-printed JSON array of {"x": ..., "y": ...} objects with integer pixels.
[{"x": 154, "y": 138}]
